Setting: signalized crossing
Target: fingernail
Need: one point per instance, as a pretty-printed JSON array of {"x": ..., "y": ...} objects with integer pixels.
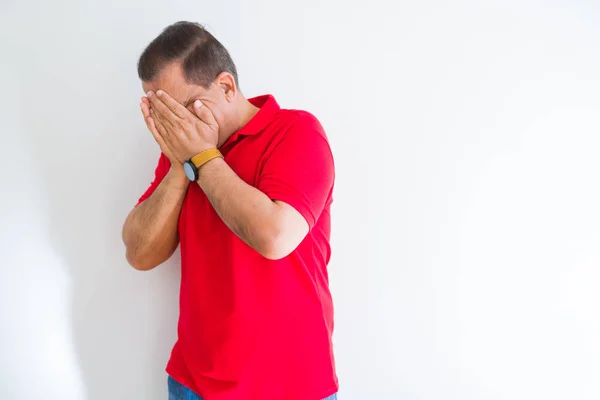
[
  {"x": 159, "y": 92},
  {"x": 151, "y": 112},
  {"x": 198, "y": 104},
  {"x": 149, "y": 94}
]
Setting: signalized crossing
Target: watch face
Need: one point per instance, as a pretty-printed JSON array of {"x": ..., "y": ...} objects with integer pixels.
[{"x": 190, "y": 170}]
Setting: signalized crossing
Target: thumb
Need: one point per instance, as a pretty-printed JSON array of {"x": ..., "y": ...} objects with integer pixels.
[{"x": 204, "y": 113}]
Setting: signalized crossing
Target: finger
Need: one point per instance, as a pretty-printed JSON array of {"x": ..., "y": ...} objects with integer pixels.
[
  {"x": 145, "y": 109},
  {"x": 151, "y": 125},
  {"x": 165, "y": 133},
  {"x": 173, "y": 105},
  {"x": 163, "y": 113},
  {"x": 164, "y": 147},
  {"x": 150, "y": 122},
  {"x": 204, "y": 113},
  {"x": 160, "y": 127}
]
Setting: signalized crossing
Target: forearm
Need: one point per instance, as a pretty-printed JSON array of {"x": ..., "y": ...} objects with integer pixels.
[
  {"x": 150, "y": 231},
  {"x": 247, "y": 211}
]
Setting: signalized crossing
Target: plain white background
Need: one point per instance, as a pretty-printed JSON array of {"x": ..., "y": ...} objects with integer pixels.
[{"x": 466, "y": 216}]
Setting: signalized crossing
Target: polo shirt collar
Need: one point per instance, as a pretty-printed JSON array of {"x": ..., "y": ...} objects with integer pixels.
[{"x": 268, "y": 107}]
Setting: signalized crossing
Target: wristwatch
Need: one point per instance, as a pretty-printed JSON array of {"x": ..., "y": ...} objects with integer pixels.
[{"x": 191, "y": 166}]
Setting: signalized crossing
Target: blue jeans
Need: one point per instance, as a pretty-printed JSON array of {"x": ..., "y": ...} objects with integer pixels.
[{"x": 179, "y": 392}]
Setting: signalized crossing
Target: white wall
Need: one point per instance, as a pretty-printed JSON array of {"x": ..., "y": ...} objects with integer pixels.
[{"x": 466, "y": 134}]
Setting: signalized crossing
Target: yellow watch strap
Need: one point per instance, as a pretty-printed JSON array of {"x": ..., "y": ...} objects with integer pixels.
[{"x": 205, "y": 156}]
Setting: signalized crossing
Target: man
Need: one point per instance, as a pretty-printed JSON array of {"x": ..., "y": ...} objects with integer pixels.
[{"x": 244, "y": 188}]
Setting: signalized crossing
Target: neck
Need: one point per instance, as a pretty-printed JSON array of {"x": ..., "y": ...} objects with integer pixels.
[{"x": 243, "y": 111}]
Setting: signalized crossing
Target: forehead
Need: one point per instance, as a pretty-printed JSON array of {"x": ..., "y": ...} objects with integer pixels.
[{"x": 171, "y": 80}]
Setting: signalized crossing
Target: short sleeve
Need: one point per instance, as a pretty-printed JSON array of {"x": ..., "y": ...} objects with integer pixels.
[
  {"x": 159, "y": 173},
  {"x": 299, "y": 170}
]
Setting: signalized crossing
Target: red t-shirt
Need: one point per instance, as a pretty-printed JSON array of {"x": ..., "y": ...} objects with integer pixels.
[{"x": 252, "y": 328}]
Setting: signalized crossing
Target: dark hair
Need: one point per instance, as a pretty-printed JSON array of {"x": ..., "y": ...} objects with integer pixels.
[{"x": 201, "y": 55}]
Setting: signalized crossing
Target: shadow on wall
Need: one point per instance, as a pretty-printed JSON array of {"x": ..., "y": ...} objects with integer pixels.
[{"x": 88, "y": 148}]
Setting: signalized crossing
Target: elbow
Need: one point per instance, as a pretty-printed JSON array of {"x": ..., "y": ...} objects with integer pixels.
[
  {"x": 283, "y": 237},
  {"x": 274, "y": 254},
  {"x": 139, "y": 263},
  {"x": 138, "y": 258},
  {"x": 277, "y": 247}
]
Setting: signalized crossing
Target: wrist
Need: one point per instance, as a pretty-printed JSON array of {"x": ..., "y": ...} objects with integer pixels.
[
  {"x": 176, "y": 174},
  {"x": 208, "y": 168},
  {"x": 193, "y": 165}
]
